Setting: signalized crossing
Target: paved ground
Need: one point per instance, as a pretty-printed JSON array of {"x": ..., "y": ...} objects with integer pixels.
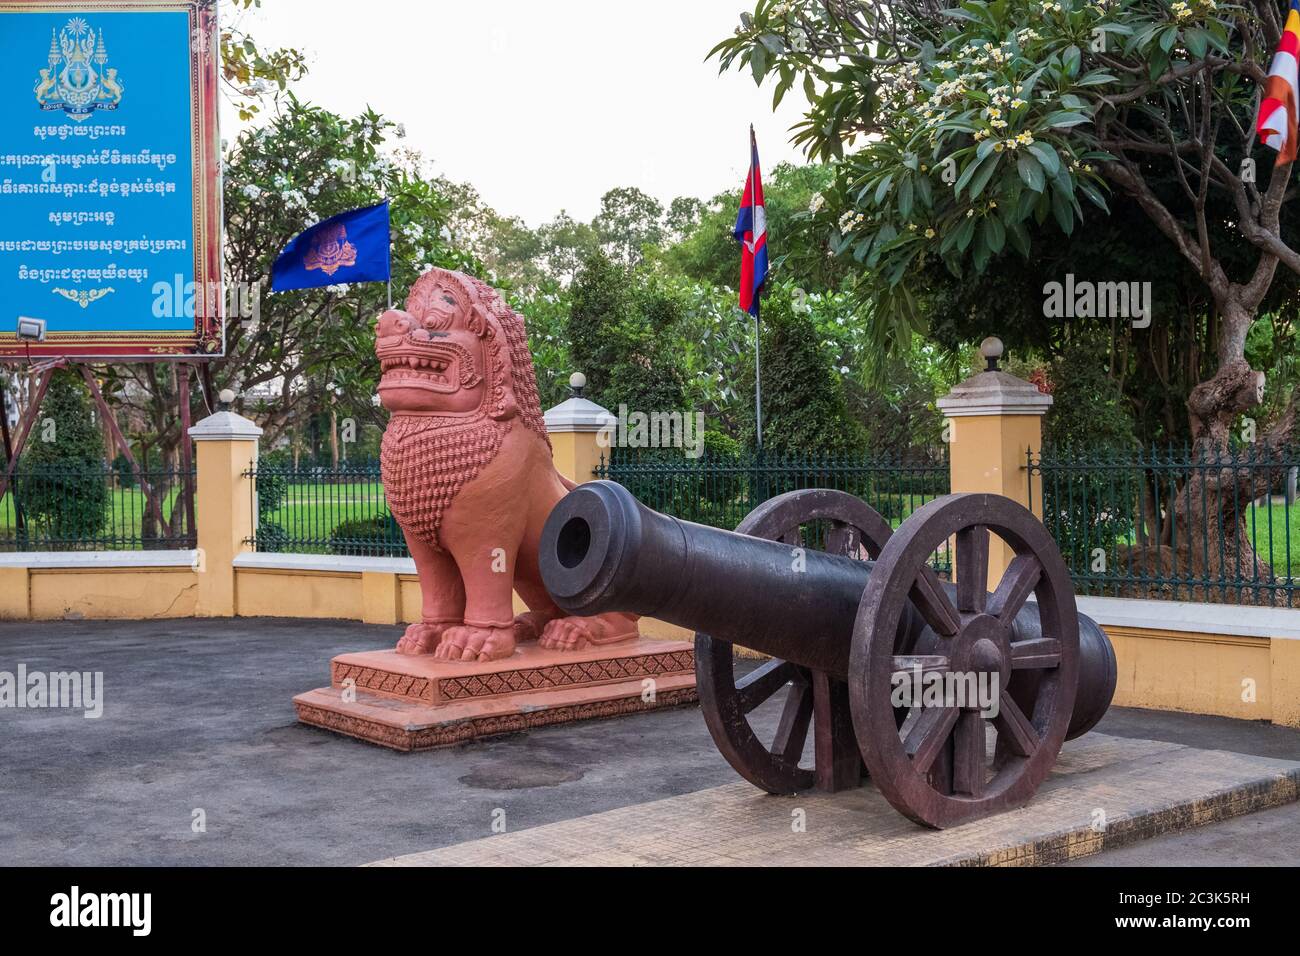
[
  {"x": 198, "y": 717},
  {"x": 1137, "y": 787}
]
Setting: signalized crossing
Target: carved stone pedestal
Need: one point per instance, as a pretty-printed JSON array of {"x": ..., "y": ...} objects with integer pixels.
[{"x": 416, "y": 703}]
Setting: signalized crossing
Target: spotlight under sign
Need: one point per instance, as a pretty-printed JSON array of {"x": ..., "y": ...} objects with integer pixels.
[{"x": 110, "y": 189}]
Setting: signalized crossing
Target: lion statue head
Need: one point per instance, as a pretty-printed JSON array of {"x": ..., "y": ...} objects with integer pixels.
[{"x": 457, "y": 349}]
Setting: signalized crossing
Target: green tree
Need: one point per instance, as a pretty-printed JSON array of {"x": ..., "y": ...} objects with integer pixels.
[
  {"x": 250, "y": 72},
  {"x": 1088, "y": 409},
  {"x": 804, "y": 407},
  {"x": 683, "y": 216},
  {"x": 798, "y": 245},
  {"x": 955, "y": 129},
  {"x": 628, "y": 221},
  {"x": 306, "y": 165},
  {"x": 546, "y": 309},
  {"x": 619, "y": 328},
  {"x": 64, "y": 487}
]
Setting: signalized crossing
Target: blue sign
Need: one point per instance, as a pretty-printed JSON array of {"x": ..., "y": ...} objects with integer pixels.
[{"x": 108, "y": 207}]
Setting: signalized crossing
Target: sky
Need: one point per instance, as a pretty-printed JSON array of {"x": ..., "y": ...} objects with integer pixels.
[{"x": 542, "y": 105}]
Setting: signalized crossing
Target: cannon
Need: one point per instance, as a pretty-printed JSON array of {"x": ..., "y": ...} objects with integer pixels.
[{"x": 855, "y": 618}]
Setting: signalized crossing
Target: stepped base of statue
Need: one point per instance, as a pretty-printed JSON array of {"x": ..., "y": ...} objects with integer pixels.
[{"x": 418, "y": 702}]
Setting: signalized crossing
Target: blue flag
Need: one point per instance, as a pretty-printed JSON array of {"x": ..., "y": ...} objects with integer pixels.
[{"x": 350, "y": 247}]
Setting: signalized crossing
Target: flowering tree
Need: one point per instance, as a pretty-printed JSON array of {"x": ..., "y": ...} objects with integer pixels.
[
  {"x": 316, "y": 346},
  {"x": 958, "y": 133},
  {"x": 292, "y": 354},
  {"x": 249, "y": 71}
]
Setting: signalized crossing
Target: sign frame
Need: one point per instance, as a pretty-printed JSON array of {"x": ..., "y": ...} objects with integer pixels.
[{"x": 207, "y": 338}]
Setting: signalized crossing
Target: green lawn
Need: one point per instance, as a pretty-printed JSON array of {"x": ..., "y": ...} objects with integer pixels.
[
  {"x": 122, "y": 519},
  {"x": 1269, "y": 528},
  {"x": 311, "y": 511}
]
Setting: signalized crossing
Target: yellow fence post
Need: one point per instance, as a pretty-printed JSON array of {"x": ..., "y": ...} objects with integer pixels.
[
  {"x": 15, "y": 594},
  {"x": 227, "y": 448},
  {"x": 994, "y": 419},
  {"x": 1284, "y": 673},
  {"x": 574, "y": 426},
  {"x": 381, "y": 597}
]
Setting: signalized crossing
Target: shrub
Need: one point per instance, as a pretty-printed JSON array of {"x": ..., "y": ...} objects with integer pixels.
[
  {"x": 804, "y": 411},
  {"x": 366, "y": 536},
  {"x": 123, "y": 472},
  {"x": 65, "y": 487},
  {"x": 271, "y": 537}
]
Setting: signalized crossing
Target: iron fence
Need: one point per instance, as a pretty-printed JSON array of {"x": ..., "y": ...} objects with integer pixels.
[
  {"x": 1173, "y": 524},
  {"x": 720, "y": 491},
  {"x": 311, "y": 508},
  {"x": 97, "y": 508}
]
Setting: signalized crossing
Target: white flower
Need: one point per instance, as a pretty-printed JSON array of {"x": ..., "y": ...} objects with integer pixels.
[
  {"x": 844, "y": 370},
  {"x": 816, "y": 203},
  {"x": 252, "y": 191}
]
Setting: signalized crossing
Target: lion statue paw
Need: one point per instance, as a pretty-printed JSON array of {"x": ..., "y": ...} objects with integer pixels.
[
  {"x": 574, "y": 633},
  {"x": 422, "y": 637},
  {"x": 530, "y": 625},
  {"x": 469, "y": 642}
]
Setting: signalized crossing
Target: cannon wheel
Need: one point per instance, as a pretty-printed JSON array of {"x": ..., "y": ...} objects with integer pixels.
[
  {"x": 726, "y": 702},
  {"x": 936, "y": 768}
]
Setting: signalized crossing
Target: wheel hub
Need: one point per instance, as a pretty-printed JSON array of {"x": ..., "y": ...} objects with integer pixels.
[{"x": 983, "y": 647}]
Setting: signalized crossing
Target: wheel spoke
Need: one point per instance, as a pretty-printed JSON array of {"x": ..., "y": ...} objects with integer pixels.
[
  {"x": 972, "y": 568},
  {"x": 792, "y": 731},
  {"x": 1018, "y": 582},
  {"x": 762, "y": 682},
  {"x": 932, "y": 601},
  {"x": 968, "y": 754},
  {"x": 1012, "y": 723},
  {"x": 928, "y": 736},
  {"x": 1039, "y": 653}
]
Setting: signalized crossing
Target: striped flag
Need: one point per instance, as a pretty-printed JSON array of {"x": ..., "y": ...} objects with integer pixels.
[
  {"x": 1276, "y": 123},
  {"x": 751, "y": 232}
]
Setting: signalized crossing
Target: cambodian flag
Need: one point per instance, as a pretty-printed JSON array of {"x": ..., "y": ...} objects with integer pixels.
[
  {"x": 751, "y": 232},
  {"x": 1276, "y": 122}
]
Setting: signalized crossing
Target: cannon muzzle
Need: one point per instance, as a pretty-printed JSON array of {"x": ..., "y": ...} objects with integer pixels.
[{"x": 602, "y": 550}]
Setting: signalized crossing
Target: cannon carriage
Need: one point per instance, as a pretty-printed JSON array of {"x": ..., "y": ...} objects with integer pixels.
[{"x": 850, "y": 613}]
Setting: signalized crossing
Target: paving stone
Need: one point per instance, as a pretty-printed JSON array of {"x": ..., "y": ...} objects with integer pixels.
[{"x": 1105, "y": 792}]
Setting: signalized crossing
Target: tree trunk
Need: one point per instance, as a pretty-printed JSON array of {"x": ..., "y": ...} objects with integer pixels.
[
  {"x": 334, "y": 438},
  {"x": 1207, "y": 552}
]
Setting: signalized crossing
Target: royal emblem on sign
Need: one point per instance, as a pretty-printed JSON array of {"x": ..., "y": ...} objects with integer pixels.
[
  {"x": 330, "y": 251},
  {"x": 79, "y": 79}
]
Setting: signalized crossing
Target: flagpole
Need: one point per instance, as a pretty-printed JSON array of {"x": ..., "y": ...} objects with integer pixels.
[
  {"x": 758, "y": 366},
  {"x": 758, "y": 380}
]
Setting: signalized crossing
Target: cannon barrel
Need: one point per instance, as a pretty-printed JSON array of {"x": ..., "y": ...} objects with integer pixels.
[{"x": 602, "y": 550}]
